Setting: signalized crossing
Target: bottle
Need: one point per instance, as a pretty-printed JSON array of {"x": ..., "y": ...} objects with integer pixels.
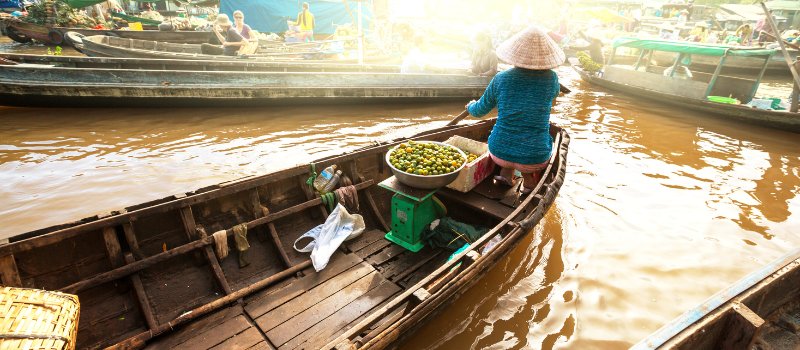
[
  {"x": 332, "y": 183},
  {"x": 323, "y": 178}
]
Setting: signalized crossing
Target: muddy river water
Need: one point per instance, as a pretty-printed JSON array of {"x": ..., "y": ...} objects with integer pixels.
[{"x": 661, "y": 207}]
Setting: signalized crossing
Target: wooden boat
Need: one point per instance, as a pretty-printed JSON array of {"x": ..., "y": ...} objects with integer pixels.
[
  {"x": 752, "y": 65},
  {"x": 202, "y": 65},
  {"x": 758, "y": 312},
  {"x": 48, "y": 85},
  {"x": 147, "y": 275},
  {"x": 24, "y": 32},
  {"x": 643, "y": 79},
  {"x": 109, "y": 46}
]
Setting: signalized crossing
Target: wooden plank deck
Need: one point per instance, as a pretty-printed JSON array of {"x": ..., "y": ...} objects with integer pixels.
[{"x": 314, "y": 308}]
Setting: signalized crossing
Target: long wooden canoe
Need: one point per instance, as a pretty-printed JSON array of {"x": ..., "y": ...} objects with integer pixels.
[
  {"x": 761, "y": 311},
  {"x": 110, "y": 46},
  {"x": 204, "y": 65},
  {"x": 147, "y": 275},
  {"x": 776, "y": 119},
  {"x": 23, "y": 32},
  {"x": 46, "y": 85}
]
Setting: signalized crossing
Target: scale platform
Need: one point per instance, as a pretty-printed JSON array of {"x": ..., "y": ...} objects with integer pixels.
[{"x": 413, "y": 209}]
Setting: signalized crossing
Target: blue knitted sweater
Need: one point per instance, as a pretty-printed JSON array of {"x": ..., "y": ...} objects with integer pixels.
[{"x": 523, "y": 98}]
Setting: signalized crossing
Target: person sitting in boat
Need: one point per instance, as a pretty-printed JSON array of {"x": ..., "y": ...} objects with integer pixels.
[
  {"x": 699, "y": 33},
  {"x": 745, "y": 34},
  {"x": 595, "y": 47},
  {"x": 230, "y": 42},
  {"x": 241, "y": 27},
  {"x": 484, "y": 60},
  {"x": 523, "y": 95},
  {"x": 305, "y": 21}
]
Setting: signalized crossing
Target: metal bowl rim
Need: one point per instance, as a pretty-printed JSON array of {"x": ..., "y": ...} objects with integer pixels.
[{"x": 427, "y": 176}]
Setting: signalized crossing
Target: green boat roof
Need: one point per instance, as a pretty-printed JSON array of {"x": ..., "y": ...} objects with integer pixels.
[
  {"x": 689, "y": 47},
  {"x": 82, "y": 3}
]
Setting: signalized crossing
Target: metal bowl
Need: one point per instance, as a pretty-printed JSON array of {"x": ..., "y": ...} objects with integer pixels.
[{"x": 426, "y": 182}]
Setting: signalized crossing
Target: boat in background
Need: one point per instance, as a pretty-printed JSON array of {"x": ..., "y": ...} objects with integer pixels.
[
  {"x": 148, "y": 275},
  {"x": 24, "y": 32},
  {"x": 205, "y": 65},
  {"x": 48, "y": 85},
  {"x": 757, "y": 312},
  {"x": 110, "y": 46},
  {"x": 720, "y": 95}
]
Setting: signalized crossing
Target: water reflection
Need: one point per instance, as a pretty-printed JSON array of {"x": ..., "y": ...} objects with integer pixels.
[{"x": 73, "y": 163}]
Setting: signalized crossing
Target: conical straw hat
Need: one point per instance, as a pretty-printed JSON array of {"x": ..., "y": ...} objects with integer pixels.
[{"x": 531, "y": 48}]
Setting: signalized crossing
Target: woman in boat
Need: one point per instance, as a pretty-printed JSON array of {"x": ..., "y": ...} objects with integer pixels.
[
  {"x": 231, "y": 42},
  {"x": 484, "y": 60},
  {"x": 305, "y": 20},
  {"x": 523, "y": 96},
  {"x": 241, "y": 27}
]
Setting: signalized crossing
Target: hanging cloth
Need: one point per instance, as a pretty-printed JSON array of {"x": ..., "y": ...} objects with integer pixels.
[{"x": 242, "y": 245}]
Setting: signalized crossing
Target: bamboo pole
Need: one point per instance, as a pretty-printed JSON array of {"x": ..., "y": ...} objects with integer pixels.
[{"x": 780, "y": 42}]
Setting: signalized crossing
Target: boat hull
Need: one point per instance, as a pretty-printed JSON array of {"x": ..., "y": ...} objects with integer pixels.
[
  {"x": 739, "y": 316},
  {"x": 42, "y": 86},
  {"x": 400, "y": 290},
  {"x": 58, "y": 35},
  {"x": 774, "y": 119}
]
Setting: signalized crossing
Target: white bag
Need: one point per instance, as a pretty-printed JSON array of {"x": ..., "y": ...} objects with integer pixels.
[{"x": 339, "y": 227}]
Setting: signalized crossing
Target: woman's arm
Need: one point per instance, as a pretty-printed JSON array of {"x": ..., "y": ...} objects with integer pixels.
[
  {"x": 238, "y": 40},
  {"x": 487, "y": 102},
  {"x": 219, "y": 35}
]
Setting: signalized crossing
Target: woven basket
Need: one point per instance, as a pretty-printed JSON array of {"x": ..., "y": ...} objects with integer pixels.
[{"x": 37, "y": 319}]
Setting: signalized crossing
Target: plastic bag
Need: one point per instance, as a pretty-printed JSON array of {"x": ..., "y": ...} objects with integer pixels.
[{"x": 326, "y": 238}]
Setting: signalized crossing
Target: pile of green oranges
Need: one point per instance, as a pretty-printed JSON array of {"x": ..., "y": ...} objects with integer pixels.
[
  {"x": 471, "y": 156},
  {"x": 422, "y": 158}
]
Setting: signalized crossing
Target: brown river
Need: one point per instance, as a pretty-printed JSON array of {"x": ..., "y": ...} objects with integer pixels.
[{"x": 661, "y": 207}]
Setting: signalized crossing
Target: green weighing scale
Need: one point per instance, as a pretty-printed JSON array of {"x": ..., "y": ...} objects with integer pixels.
[{"x": 413, "y": 209}]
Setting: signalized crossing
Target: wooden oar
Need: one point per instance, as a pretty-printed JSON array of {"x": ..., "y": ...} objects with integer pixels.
[
  {"x": 465, "y": 113},
  {"x": 794, "y": 46}
]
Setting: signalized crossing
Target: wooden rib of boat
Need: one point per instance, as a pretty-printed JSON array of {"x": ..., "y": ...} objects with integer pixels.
[
  {"x": 758, "y": 312},
  {"x": 201, "y": 65},
  {"x": 46, "y": 85},
  {"x": 147, "y": 275},
  {"x": 643, "y": 79},
  {"x": 23, "y": 32},
  {"x": 109, "y": 46}
]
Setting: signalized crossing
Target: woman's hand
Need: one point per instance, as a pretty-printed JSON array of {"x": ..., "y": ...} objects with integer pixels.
[{"x": 470, "y": 102}]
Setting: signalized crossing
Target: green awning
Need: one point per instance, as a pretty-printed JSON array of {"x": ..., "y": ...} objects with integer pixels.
[
  {"x": 689, "y": 47},
  {"x": 82, "y": 3}
]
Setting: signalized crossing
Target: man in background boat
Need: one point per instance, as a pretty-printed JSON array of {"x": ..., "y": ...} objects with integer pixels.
[
  {"x": 231, "y": 42},
  {"x": 305, "y": 22},
  {"x": 484, "y": 60},
  {"x": 763, "y": 29}
]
